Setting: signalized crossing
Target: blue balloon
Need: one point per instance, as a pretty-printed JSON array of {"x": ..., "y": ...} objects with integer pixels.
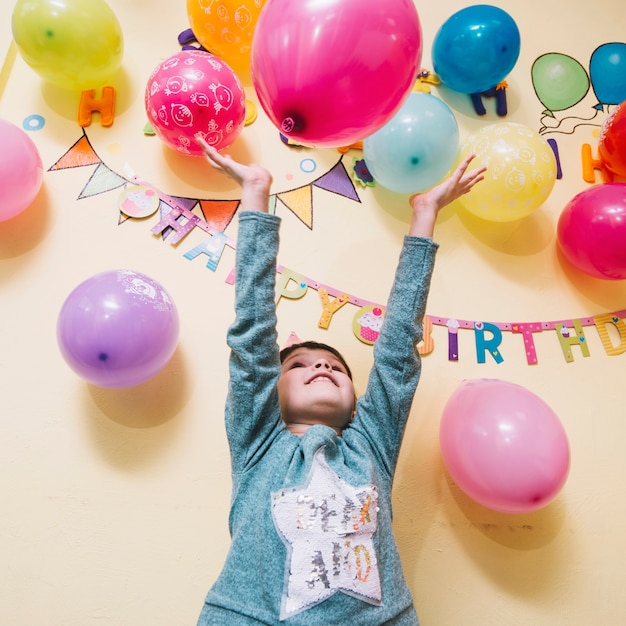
[
  {"x": 607, "y": 70},
  {"x": 416, "y": 147},
  {"x": 476, "y": 48}
]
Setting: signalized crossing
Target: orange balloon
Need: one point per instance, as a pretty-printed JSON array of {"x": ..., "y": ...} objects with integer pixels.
[{"x": 225, "y": 28}]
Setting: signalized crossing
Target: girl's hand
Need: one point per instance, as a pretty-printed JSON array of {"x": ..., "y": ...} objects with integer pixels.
[
  {"x": 427, "y": 205},
  {"x": 247, "y": 176},
  {"x": 458, "y": 184}
]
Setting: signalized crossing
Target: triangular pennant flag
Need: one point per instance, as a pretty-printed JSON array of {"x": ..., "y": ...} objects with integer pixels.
[
  {"x": 187, "y": 203},
  {"x": 101, "y": 181},
  {"x": 338, "y": 181},
  {"x": 79, "y": 155},
  {"x": 218, "y": 213},
  {"x": 300, "y": 202}
]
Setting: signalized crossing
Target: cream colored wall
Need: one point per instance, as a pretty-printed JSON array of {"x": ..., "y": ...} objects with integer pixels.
[{"x": 114, "y": 502}]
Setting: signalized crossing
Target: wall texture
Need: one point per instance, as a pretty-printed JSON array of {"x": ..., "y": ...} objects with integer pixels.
[{"x": 115, "y": 500}]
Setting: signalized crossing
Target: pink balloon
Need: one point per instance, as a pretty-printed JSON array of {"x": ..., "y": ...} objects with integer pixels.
[
  {"x": 504, "y": 446},
  {"x": 21, "y": 171},
  {"x": 195, "y": 92},
  {"x": 118, "y": 329},
  {"x": 591, "y": 231},
  {"x": 330, "y": 73}
]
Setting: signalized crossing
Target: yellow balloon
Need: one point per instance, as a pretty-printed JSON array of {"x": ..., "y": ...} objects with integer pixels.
[
  {"x": 225, "y": 28},
  {"x": 521, "y": 171},
  {"x": 74, "y": 44}
]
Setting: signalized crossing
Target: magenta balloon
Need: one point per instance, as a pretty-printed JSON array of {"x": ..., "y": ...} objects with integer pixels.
[
  {"x": 330, "y": 73},
  {"x": 118, "y": 329},
  {"x": 21, "y": 171},
  {"x": 194, "y": 93},
  {"x": 592, "y": 231},
  {"x": 504, "y": 446}
]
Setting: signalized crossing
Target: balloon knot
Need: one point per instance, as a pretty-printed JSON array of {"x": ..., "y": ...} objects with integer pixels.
[{"x": 288, "y": 125}]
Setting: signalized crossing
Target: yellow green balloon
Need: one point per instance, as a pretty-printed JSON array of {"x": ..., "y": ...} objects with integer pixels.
[
  {"x": 521, "y": 171},
  {"x": 74, "y": 44}
]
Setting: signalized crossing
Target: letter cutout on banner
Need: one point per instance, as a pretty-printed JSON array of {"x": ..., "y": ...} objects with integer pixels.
[
  {"x": 293, "y": 293},
  {"x": 602, "y": 326},
  {"x": 568, "y": 341},
  {"x": 484, "y": 345},
  {"x": 527, "y": 330},
  {"x": 427, "y": 345},
  {"x": 181, "y": 228},
  {"x": 213, "y": 247},
  {"x": 453, "y": 339},
  {"x": 330, "y": 306}
]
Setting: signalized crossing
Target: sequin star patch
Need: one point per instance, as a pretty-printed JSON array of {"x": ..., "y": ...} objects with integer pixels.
[{"x": 328, "y": 527}]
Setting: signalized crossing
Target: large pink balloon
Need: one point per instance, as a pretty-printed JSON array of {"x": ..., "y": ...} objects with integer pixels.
[
  {"x": 331, "y": 73},
  {"x": 592, "y": 231},
  {"x": 118, "y": 329},
  {"x": 21, "y": 171},
  {"x": 504, "y": 446}
]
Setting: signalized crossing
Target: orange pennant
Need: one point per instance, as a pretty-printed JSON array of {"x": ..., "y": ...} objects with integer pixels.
[
  {"x": 79, "y": 155},
  {"x": 218, "y": 213}
]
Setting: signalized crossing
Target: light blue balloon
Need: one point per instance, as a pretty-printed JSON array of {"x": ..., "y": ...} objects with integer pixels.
[
  {"x": 476, "y": 48},
  {"x": 416, "y": 147}
]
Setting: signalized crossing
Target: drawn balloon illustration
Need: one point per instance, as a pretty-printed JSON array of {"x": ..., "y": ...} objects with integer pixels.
[
  {"x": 607, "y": 69},
  {"x": 559, "y": 81}
]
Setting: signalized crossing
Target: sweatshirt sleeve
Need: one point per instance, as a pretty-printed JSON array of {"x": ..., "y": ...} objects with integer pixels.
[
  {"x": 383, "y": 410},
  {"x": 252, "y": 409}
]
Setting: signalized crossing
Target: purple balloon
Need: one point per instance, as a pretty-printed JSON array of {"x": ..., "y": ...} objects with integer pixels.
[{"x": 118, "y": 329}]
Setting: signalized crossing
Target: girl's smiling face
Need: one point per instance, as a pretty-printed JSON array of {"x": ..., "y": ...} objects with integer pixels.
[{"x": 314, "y": 388}]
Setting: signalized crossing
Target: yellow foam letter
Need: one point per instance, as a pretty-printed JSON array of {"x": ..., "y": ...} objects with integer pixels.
[
  {"x": 330, "y": 306},
  {"x": 601, "y": 322}
]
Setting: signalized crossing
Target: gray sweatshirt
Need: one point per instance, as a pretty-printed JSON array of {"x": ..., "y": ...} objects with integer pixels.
[{"x": 310, "y": 519}]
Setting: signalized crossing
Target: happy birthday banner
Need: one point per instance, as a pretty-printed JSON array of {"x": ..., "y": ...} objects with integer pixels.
[
  {"x": 367, "y": 320},
  {"x": 177, "y": 220}
]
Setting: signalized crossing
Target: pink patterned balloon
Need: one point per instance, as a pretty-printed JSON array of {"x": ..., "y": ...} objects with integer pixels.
[
  {"x": 195, "y": 92},
  {"x": 118, "y": 329},
  {"x": 504, "y": 446}
]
